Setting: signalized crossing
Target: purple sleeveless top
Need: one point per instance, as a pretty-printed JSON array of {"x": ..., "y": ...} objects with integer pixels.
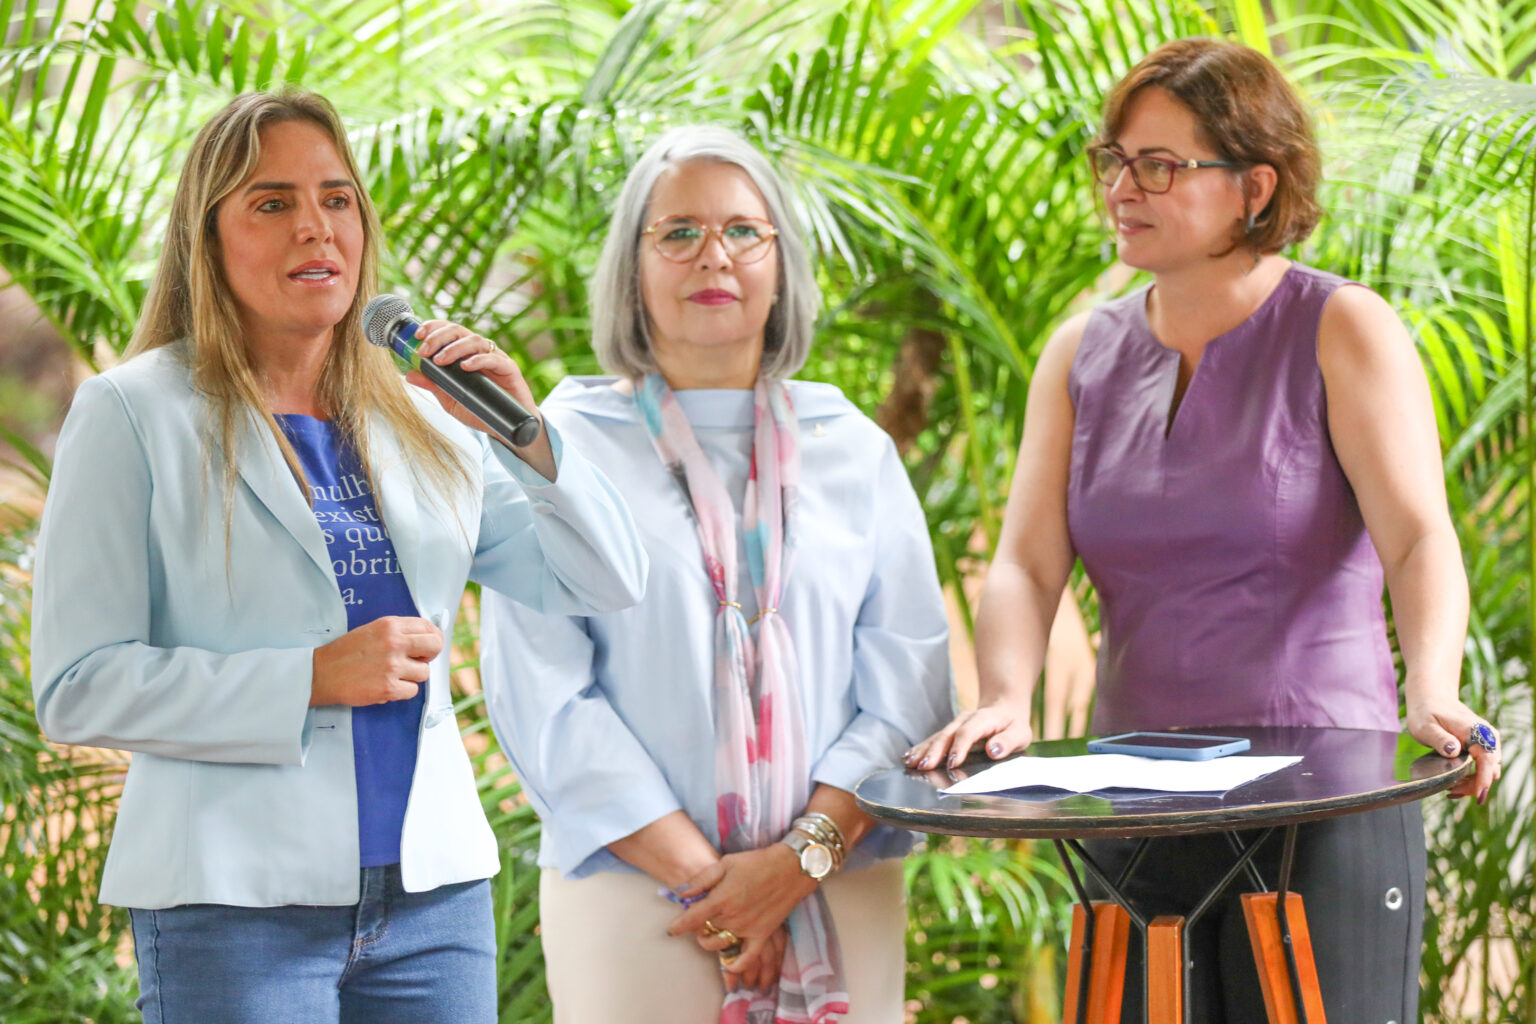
[{"x": 1237, "y": 584}]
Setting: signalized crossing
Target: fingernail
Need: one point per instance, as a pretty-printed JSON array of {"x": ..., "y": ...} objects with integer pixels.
[
  {"x": 1482, "y": 798},
  {"x": 996, "y": 750},
  {"x": 1450, "y": 748},
  {"x": 954, "y": 759}
]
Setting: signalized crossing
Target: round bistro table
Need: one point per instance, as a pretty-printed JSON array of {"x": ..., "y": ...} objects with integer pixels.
[{"x": 1342, "y": 771}]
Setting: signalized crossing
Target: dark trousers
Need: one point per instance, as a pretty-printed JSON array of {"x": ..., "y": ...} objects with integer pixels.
[{"x": 1362, "y": 877}]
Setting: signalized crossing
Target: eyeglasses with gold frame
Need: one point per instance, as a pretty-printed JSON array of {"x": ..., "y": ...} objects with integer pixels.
[{"x": 680, "y": 239}]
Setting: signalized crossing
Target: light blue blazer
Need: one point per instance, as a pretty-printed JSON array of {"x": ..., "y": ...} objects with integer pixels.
[{"x": 149, "y": 635}]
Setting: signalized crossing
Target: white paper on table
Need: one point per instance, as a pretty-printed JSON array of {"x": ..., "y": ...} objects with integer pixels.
[{"x": 1089, "y": 772}]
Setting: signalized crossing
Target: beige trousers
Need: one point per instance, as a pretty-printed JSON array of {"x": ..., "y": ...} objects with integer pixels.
[{"x": 608, "y": 956}]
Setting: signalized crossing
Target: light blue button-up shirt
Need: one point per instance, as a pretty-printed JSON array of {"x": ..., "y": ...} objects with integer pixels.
[{"x": 609, "y": 719}]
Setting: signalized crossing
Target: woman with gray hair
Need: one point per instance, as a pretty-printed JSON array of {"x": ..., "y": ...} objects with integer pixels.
[{"x": 792, "y": 637}]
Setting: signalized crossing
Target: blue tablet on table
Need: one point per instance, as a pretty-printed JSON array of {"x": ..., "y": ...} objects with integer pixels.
[{"x": 1178, "y": 746}]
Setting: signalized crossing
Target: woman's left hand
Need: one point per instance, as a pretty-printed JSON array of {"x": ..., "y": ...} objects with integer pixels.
[
  {"x": 758, "y": 964},
  {"x": 750, "y": 894},
  {"x": 445, "y": 342},
  {"x": 1445, "y": 726}
]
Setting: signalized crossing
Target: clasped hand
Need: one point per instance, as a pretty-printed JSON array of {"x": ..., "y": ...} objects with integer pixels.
[
  {"x": 384, "y": 660},
  {"x": 750, "y": 894}
]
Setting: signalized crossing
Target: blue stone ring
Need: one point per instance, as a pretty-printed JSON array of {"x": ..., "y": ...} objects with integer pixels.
[{"x": 1484, "y": 736}]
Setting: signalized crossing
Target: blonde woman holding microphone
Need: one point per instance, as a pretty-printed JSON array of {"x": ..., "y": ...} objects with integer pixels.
[{"x": 255, "y": 543}]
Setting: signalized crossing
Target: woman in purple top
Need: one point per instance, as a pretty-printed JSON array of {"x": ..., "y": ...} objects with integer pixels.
[{"x": 1241, "y": 453}]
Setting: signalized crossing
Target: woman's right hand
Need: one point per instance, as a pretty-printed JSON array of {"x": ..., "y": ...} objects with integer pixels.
[
  {"x": 387, "y": 659},
  {"x": 1004, "y": 726}
]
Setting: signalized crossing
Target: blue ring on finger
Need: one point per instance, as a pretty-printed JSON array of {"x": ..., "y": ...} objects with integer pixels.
[{"x": 1484, "y": 736}]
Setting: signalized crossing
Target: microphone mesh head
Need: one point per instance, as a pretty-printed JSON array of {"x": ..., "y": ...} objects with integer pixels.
[{"x": 382, "y": 313}]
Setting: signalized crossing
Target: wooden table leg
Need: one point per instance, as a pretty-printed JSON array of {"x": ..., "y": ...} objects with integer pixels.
[
  {"x": 1259, "y": 909},
  {"x": 1165, "y": 970},
  {"x": 1106, "y": 981}
]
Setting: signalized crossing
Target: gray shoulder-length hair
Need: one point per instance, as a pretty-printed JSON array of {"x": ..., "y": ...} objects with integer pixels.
[{"x": 620, "y": 326}]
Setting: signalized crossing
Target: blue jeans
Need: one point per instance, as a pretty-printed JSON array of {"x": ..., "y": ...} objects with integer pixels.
[{"x": 394, "y": 956}]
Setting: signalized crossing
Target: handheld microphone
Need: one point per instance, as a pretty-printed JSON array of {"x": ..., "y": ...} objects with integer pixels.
[{"x": 389, "y": 323}]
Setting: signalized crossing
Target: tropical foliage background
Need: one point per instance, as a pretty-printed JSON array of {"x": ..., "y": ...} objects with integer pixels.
[{"x": 937, "y": 145}]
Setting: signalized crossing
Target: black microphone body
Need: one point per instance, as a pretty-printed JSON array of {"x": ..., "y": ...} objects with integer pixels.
[{"x": 389, "y": 323}]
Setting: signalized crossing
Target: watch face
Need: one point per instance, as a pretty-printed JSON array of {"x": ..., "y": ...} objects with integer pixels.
[{"x": 816, "y": 860}]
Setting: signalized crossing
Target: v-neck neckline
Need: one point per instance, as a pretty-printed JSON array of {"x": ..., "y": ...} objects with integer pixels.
[{"x": 1175, "y": 403}]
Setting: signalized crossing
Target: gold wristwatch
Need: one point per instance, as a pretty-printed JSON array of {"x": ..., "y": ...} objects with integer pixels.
[{"x": 816, "y": 860}]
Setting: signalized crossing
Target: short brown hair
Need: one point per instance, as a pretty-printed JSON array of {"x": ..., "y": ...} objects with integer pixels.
[{"x": 1248, "y": 112}]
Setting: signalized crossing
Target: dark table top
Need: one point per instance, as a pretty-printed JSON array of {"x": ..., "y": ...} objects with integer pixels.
[{"x": 1342, "y": 771}]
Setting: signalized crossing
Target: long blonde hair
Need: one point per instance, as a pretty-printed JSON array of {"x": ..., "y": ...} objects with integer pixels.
[{"x": 190, "y": 298}]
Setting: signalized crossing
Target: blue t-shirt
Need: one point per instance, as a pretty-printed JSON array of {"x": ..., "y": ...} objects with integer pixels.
[{"x": 384, "y": 736}]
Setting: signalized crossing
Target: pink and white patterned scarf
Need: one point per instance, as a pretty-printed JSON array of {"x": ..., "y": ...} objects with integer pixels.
[{"x": 762, "y": 768}]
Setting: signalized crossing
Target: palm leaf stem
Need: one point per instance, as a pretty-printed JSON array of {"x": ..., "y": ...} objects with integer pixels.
[{"x": 1529, "y": 285}]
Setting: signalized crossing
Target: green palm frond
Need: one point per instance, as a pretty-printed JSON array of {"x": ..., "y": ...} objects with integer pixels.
[{"x": 981, "y": 913}]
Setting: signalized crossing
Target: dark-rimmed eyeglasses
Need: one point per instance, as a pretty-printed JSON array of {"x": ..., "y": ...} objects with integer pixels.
[
  {"x": 1152, "y": 174},
  {"x": 680, "y": 239}
]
